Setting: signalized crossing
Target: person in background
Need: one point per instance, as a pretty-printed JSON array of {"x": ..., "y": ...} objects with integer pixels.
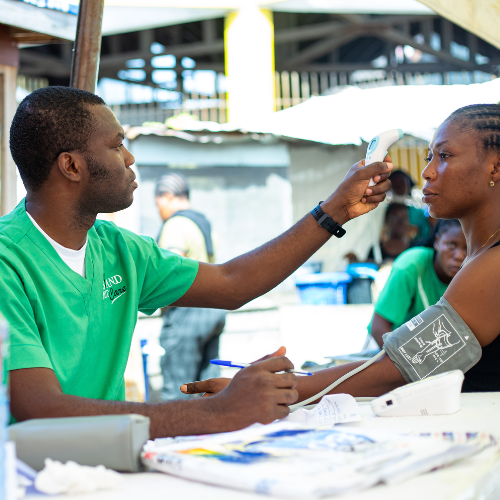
[
  {"x": 400, "y": 192},
  {"x": 190, "y": 336},
  {"x": 396, "y": 235},
  {"x": 419, "y": 278}
]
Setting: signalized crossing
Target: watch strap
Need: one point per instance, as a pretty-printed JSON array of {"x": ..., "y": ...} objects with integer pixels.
[{"x": 326, "y": 222}]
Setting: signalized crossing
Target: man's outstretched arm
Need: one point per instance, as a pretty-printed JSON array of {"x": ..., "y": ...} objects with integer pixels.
[
  {"x": 230, "y": 285},
  {"x": 256, "y": 394}
]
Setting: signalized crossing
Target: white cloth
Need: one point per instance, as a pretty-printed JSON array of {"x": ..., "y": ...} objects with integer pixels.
[
  {"x": 73, "y": 478},
  {"x": 75, "y": 259}
]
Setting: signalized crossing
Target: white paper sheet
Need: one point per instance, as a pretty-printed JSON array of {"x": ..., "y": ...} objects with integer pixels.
[{"x": 335, "y": 409}]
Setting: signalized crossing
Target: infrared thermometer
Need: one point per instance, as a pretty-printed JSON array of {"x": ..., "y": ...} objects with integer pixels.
[{"x": 379, "y": 146}]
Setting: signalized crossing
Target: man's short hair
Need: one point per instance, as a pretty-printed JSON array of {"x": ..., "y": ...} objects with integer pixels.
[
  {"x": 49, "y": 122},
  {"x": 173, "y": 183}
]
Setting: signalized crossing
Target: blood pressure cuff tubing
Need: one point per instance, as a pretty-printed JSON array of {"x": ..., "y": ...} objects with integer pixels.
[{"x": 435, "y": 341}]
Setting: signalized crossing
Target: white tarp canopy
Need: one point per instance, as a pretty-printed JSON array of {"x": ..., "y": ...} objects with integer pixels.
[{"x": 355, "y": 115}]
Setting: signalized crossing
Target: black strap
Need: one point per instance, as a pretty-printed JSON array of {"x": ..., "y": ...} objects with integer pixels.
[
  {"x": 201, "y": 221},
  {"x": 326, "y": 222}
]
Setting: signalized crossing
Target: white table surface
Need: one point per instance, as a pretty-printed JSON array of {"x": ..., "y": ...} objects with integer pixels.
[{"x": 479, "y": 412}]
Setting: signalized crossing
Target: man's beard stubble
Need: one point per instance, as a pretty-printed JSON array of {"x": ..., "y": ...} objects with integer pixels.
[{"x": 101, "y": 197}]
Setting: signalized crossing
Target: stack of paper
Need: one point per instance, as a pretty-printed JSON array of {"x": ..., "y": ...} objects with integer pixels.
[{"x": 299, "y": 460}]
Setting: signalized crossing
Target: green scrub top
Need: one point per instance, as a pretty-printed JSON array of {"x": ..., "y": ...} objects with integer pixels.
[
  {"x": 82, "y": 327},
  {"x": 412, "y": 287}
]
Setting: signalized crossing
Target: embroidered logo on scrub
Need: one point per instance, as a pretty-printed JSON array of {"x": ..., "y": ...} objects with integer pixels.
[
  {"x": 433, "y": 346},
  {"x": 112, "y": 288}
]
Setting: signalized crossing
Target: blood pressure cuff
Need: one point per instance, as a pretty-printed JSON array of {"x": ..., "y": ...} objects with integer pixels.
[{"x": 435, "y": 341}]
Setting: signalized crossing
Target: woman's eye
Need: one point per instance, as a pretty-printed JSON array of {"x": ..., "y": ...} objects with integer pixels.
[
  {"x": 451, "y": 246},
  {"x": 443, "y": 156},
  {"x": 428, "y": 159}
]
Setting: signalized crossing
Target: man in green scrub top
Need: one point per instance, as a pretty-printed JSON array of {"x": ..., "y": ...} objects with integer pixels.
[{"x": 72, "y": 324}]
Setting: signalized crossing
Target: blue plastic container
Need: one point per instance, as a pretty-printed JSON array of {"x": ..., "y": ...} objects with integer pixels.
[
  {"x": 323, "y": 288},
  {"x": 359, "y": 290},
  {"x": 363, "y": 270},
  {"x": 144, "y": 343}
]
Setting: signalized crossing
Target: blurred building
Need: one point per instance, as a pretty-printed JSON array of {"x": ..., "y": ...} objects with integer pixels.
[{"x": 159, "y": 61}]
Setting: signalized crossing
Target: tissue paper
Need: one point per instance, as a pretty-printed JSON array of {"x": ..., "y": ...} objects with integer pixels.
[{"x": 56, "y": 478}]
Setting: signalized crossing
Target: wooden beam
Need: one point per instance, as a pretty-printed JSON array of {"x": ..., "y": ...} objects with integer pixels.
[
  {"x": 308, "y": 32},
  {"x": 9, "y": 62},
  {"x": 85, "y": 67},
  {"x": 446, "y": 35},
  {"x": 296, "y": 34},
  {"x": 209, "y": 47},
  {"x": 342, "y": 36},
  {"x": 427, "y": 27},
  {"x": 401, "y": 38},
  {"x": 401, "y": 68},
  {"x": 8, "y": 106},
  {"x": 185, "y": 49}
]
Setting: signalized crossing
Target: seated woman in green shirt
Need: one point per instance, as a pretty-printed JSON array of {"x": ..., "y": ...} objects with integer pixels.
[{"x": 419, "y": 278}]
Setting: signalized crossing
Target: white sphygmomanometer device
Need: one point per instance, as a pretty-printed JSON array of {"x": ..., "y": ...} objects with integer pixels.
[
  {"x": 438, "y": 395},
  {"x": 379, "y": 146}
]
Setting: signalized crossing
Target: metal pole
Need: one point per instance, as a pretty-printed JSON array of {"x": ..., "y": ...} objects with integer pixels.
[{"x": 87, "y": 48}]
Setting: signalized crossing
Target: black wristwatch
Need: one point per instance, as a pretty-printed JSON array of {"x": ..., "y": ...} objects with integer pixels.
[{"x": 326, "y": 222}]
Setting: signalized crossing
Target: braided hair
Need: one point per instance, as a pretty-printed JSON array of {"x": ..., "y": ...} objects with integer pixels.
[
  {"x": 483, "y": 119},
  {"x": 439, "y": 229}
]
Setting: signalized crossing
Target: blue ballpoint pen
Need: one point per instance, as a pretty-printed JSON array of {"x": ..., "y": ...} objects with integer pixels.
[{"x": 234, "y": 364}]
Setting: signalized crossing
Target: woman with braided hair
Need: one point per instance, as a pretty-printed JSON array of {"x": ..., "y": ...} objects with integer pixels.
[{"x": 462, "y": 181}]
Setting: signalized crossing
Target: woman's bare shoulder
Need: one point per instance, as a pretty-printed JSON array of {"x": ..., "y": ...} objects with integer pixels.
[{"x": 475, "y": 294}]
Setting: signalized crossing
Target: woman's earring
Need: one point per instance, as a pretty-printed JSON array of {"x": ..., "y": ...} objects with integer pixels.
[{"x": 492, "y": 183}]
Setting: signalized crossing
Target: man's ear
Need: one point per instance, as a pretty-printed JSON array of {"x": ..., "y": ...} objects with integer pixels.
[{"x": 70, "y": 165}]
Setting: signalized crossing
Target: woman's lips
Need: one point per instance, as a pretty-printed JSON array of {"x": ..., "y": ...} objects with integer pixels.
[{"x": 428, "y": 197}]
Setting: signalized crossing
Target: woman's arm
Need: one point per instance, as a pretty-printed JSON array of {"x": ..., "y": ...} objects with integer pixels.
[
  {"x": 379, "y": 378},
  {"x": 380, "y": 326}
]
